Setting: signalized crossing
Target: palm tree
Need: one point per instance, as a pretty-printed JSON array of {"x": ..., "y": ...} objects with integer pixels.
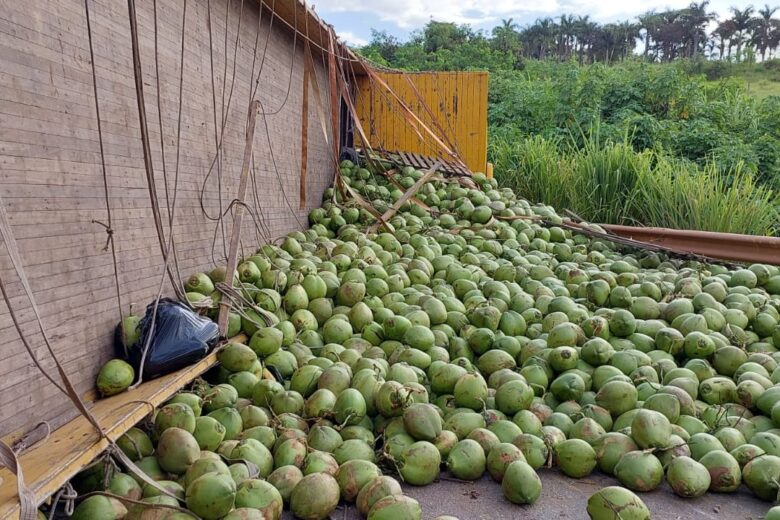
[
  {"x": 627, "y": 33},
  {"x": 671, "y": 34},
  {"x": 545, "y": 34},
  {"x": 763, "y": 28},
  {"x": 586, "y": 32},
  {"x": 774, "y": 39},
  {"x": 505, "y": 35},
  {"x": 695, "y": 19},
  {"x": 743, "y": 22},
  {"x": 566, "y": 30},
  {"x": 648, "y": 22},
  {"x": 724, "y": 33}
]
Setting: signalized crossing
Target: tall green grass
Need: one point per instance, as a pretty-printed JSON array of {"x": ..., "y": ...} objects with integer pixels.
[{"x": 611, "y": 183}]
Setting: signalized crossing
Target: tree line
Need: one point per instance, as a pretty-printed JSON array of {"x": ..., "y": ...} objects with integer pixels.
[{"x": 661, "y": 36}]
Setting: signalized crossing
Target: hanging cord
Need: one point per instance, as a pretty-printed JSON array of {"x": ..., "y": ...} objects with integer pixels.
[
  {"x": 220, "y": 226},
  {"x": 9, "y": 459},
  {"x": 66, "y": 494},
  {"x": 162, "y": 141},
  {"x": 265, "y": 115},
  {"x": 27, "y": 506},
  {"x": 290, "y": 75},
  {"x": 7, "y": 455},
  {"x": 355, "y": 59},
  {"x": 219, "y": 132},
  {"x": 139, "y": 89},
  {"x": 260, "y": 236},
  {"x": 108, "y": 225},
  {"x": 171, "y": 211},
  {"x": 13, "y": 251},
  {"x": 265, "y": 48}
]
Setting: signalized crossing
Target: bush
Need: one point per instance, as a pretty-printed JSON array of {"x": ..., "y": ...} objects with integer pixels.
[
  {"x": 612, "y": 183},
  {"x": 656, "y": 107}
]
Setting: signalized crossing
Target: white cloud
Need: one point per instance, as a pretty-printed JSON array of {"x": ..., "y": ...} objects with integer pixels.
[
  {"x": 352, "y": 39},
  {"x": 407, "y": 14},
  {"x": 414, "y": 13}
]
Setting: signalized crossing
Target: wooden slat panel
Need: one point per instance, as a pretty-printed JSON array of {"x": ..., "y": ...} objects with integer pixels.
[
  {"x": 457, "y": 100},
  {"x": 52, "y": 183}
]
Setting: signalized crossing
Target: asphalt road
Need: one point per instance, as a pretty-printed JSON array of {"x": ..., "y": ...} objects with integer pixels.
[{"x": 564, "y": 498}]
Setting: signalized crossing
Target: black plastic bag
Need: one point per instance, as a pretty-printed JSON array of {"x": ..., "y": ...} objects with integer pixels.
[{"x": 180, "y": 338}]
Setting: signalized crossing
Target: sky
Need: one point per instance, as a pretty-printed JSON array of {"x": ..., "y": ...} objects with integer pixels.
[{"x": 354, "y": 19}]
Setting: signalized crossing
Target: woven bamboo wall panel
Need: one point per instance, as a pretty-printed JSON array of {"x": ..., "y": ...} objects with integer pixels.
[{"x": 52, "y": 183}]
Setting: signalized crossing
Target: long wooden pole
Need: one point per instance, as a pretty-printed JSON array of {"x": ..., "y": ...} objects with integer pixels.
[
  {"x": 238, "y": 216},
  {"x": 305, "y": 131}
]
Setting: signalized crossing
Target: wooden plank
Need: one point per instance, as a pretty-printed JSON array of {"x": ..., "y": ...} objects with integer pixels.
[
  {"x": 305, "y": 129},
  {"x": 50, "y": 463},
  {"x": 238, "y": 214},
  {"x": 335, "y": 96},
  {"x": 413, "y": 199},
  {"x": 411, "y": 192}
]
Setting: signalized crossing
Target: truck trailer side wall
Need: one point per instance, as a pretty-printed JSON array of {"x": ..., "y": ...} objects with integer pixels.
[{"x": 52, "y": 182}]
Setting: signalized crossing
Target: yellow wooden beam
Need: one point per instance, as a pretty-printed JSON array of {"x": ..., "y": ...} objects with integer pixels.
[{"x": 49, "y": 464}]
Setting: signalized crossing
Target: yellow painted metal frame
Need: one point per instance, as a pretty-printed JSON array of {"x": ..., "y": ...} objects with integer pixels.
[
  {"x": 52, "y": 462},
  {"x": 456, "y": 100}
]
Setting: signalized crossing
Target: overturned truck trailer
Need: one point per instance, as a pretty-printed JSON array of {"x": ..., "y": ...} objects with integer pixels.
[{"x": 146, "y": 140}]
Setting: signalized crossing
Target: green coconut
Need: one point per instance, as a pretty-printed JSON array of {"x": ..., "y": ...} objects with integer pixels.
[
  {"x": 616, "y": 503},
  {"x": 114, "y": 377}
]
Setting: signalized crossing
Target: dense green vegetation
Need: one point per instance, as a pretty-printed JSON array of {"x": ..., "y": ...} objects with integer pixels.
[
  {"x": 612, "y": 183},
  {"x": 652, "y": 107},
  {"x": 694, "y": 143}
]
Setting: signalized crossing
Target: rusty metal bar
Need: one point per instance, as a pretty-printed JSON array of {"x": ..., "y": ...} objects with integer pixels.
[{"x": 729, "y": 246}]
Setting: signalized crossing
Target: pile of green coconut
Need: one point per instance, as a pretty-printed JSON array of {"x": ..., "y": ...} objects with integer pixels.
[{"x": 479, "y": 336}]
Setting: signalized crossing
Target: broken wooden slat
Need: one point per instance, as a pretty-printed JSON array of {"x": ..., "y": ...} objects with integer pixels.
[
  {"x": 238, "y": 216},
  {"x": 405, "y": 197},
  {"x": 305, "y": 130},
  {"x": 414, "y": 199}
]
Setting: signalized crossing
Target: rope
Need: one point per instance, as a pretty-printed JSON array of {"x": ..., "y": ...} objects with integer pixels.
[
  {"x": 69, "y": 495},
  {"x": 139, "y": 89},
  {"x": 7, "y": 455},
  {"x": 162, "y": 140},
  {"x": 146, "y": 505},
  {"x": 261, "y": 227},
  {"x": 219, "y": 132},
  {"x": 217, "y": 143},
  {"x": 27, "y": 507},
  {"x": 13, "y": 251},
  {"x": 171, "y": 210},
  {"x": 265, "y": 114},
  {"x": 356, "y": 59},
  {"x": 25, "y": 441},
  {"x": 108, "y": 226},
  {"x": 276, "y": 168}
]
